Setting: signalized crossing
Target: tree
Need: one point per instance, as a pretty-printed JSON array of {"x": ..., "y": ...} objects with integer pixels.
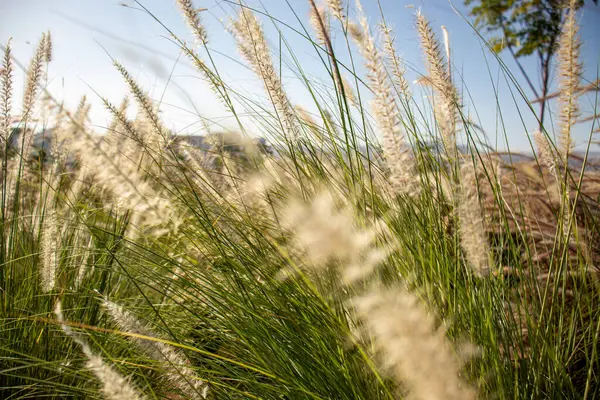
[{"x": 524, "y": 28}]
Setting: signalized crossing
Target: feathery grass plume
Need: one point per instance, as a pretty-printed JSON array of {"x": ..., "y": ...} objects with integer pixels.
[
  {"x": 447, "y": 48},
  {"x": 34, "y": 73},
  {"x": 546, "y": 153},
  {"x": 411, "y": 347},
  {"x": 118, "y": 174},
  {"x": 385, "y": 108},
  {"x": 441, "y": 81},
  {"x": 49, "y": 243},
  {"x": 160, "y": 138},
  {"x": 176, "y": 368},
  {"x": 81, "y": 113},
  {"x": 472, "y": 233},
  {"x": 569, "y": 70},
  {"x": 337, "y": 9},
  {"x": 252, "y": 44},
  {"x": 325, "y": 234},
  {"x": 6, "y": 102},
  {"x": 114, "y": 385},
  {"x": 319, "y": 19},
  {"x": 48, "y": 48},
  {"x": 113, "y": 132},
  {"x": 349, "y": 90},
  {"x": 192, "y": 16},
  {"x": 391, "y": 57},
  {"x": 198, "y": 172}
]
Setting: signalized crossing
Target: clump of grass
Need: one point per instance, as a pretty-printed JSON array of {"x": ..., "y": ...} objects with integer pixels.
[{"x": 305, "y": 269}]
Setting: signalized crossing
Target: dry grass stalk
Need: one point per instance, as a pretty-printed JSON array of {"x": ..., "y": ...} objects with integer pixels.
[
  {"x": 6, "y": 102},
  {"x": 192, "y": 16},
  {"x": 472, "y": 232},
  {"x": 441, "y": 81},
  {"x": 176, "y": 368},
  {"x": 252, "y": 44},
  {"x": 114, "y": 385},
  {"x": 411, "y": 347},
  {"x": 385, "y": 109}
]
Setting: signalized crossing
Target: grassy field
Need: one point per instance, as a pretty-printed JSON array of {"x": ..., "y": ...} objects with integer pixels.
[{"x": 362, "y": 254}]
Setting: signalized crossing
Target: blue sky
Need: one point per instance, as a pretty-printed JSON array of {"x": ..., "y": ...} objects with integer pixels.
[{"x": 84, "y": 31}]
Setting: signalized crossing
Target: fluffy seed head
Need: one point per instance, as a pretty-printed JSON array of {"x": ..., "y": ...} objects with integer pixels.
[
  {"x": 192, "y": 16},
  {"x": 49, "y": 249},
  {"x": 326, "y": 233},
  {"x": 34, "y": 73},
  {"x": 472, "y": 233},
  {"x": 175, "y": 365},
  {"x": 114, "y": 385},
  {"x": 6, "y": 100},
  {"x": 385, "y": 109},
  {"x": 395, "y": 62},
  {"x": 441, "y": 81},
  {"x": 546, "y": 152},
  {"x": 569, "y": 70},
  {"x": 337, "y": 9},
  {"x": 417, "y": 353},
  {"x": 48, "y": 49},
  {"x": 252, "y": 44},
  {"x": 319, "y": 20}
]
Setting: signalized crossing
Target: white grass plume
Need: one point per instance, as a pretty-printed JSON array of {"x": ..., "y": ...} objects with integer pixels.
[
  {"x": 546, "y": 153},
  {"x": 192, "y": 16},
  {"x": 337, "y": 9},
  {"x": 319, "y": 20},
  {"x": 49, "y": 244},
  {"x": 252, "y": 44},
  {"x": 326, "y": 233},
  {"x": 472, "y": 233},
  {"x": 410, "y": 345},
  {"x": 114, "y": 385},
  {"x": 396, "y": 64},
  {"x": 569, "y": 71},
  {"x": 176, "y": 367},
  {"x": 441, "y": 81},
  {"x": 6, "y": 101},
  {"x": 385, "y": 108},
  {"x": 34, "y": 74}
]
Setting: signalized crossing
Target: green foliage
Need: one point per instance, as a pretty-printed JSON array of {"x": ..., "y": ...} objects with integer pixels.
[{"x": 527, "y": 26}]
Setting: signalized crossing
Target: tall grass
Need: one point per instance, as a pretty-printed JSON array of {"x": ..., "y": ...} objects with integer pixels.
[{"x": 323, "y": 266}]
